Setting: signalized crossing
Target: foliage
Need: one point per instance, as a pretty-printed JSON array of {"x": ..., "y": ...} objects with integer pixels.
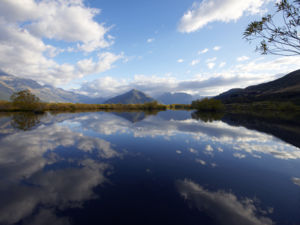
[
  {"x": 25, "y": 100},
  {"x": 278, "y": 38},
  {"x": 263, "y": 106},
  {"x": 206, "y": 104},
  {"x": 25, "y": 120},
  {"x": 179, "y": 106},
  {"x": 207, "y": 116}
]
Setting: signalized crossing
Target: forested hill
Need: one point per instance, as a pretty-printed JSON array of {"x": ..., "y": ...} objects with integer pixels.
[{"x": 286, "y": 88}]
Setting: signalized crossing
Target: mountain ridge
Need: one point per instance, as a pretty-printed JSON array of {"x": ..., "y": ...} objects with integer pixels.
[
  {"x": 47, "y": 93},
  {"x": 286, "y": 88},
  {"x": 176, "y": 98},
  {"x": 131, "y": 97}
]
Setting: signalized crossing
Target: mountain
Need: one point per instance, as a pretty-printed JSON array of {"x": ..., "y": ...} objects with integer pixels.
[
  {"x": 177, "y": 98},
  {"x": 10, "y": 84},
  {"x": 286, "y": 88},
  {"x": 131, "y": 97}
]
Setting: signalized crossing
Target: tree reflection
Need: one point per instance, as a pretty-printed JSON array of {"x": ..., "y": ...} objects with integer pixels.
[
  {"x": 207, "y": 116},
  {"x": 26, "y": 120}
]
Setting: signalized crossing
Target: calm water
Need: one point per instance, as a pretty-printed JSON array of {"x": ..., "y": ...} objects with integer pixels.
[{"x": 133, "y": 168}]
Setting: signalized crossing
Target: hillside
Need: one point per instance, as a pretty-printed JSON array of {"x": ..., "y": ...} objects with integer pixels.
[
  {"x": 10, "y": 84},
  {"x": 286, "y": 88},
  {"x": 131, "y": 97}
]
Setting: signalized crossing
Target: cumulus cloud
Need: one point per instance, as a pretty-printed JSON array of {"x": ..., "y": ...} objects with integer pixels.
[
  {"x": 195, "y": 62},
  {"x": 208, "y": 11},
  {"x": 222, "y": 64},
  {"x": 211, "y": 65},
  {"x": 242, "y": 58},
  {"x": 216, "y": 48},
  {"x": 203, "y": 51},
  {"x": 66, "y": 20},
  {"x": 180, "y": 60},
  {"x": 207, "y": 84},
  {"x": 211, "y": 59},
  {"x": 223, "y": 207},
  {"x": 24, "y": 26},
  {"x": 104, "y": 63}
]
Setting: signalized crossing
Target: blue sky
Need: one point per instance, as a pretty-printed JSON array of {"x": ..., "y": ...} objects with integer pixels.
[{"x": 103, "y": 48}]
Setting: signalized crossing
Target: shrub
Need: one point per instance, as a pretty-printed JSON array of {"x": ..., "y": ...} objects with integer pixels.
[
  {"x": 207, "y": 104},
  {"x": 25, "y": 100}
]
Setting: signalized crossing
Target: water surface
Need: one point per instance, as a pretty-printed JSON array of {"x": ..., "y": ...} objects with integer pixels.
[{"x": 137, "y": 168}]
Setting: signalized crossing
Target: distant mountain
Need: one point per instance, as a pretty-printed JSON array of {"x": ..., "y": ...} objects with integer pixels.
[
  {"x": 286, "y": 88},
  {"x": 131, "y": 97},
  {"x": 10, "y": 84},
  {"x": 176, "y": 98}
]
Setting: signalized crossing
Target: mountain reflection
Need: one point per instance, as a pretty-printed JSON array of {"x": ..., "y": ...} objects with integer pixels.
[
  {"x": 223, "y": 207},
  {"x": 33, "y": 175}
]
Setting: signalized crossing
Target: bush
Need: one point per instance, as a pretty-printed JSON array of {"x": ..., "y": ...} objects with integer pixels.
[
  {"x": 25, "y": 100},
  {"x": 206, "y": 104}
]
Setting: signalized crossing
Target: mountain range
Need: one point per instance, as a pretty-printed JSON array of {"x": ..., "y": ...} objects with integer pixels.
[
  {"x": 286, "y": 88},
  {"x": 10, "y": 84},
  {"x": 132, "y": 97},
  {"x": 176, "y": 98}
]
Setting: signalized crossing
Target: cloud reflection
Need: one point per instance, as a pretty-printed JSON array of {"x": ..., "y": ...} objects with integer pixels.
[
  {"x": 223, "y": 207},
  {"x": 215, "y": 133},
  {"x": 31, "y": 175}
]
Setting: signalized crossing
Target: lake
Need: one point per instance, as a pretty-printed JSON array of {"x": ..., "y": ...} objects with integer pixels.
[{"x": 170, "y": 167}]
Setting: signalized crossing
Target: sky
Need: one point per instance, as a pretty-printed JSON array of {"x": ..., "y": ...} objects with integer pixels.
[{"x": 107, "y": 47}]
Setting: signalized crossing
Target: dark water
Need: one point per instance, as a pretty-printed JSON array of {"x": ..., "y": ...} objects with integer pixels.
[{"x": 134, "y": 168}]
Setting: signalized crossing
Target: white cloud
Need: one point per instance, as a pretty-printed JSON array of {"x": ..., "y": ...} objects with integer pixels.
[
  {"x": 104, "y": 63},
  {"x": 211, "y": 65},
  {"x": 203, "y": 51},
  {"x": 66, "y": 20},
  {"x": 195, "y": 62},
  {"x": 211, "y": 62},
  {"x": 222, "y": 64},
  {"x": 180, "y": 60},
  {"x": 207, "y": 84},
  {"x": 242, "y": 58},
  {"x": 25, "y": 24},
  {"x": 216, "y": 48},
  {"x": 211, "y": 59},
  {"x": 150, "y": 40},
  {"x": 217, "y": 10}
]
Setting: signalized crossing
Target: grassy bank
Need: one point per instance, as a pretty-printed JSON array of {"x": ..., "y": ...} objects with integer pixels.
[
  {"x": 6, "y": 106},
  {"x": 205, "y": 105}
]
